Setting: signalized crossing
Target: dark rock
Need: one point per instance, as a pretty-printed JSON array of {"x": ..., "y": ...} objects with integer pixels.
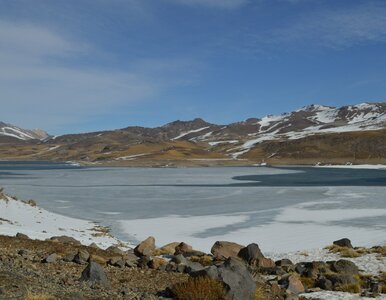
[
  {"x": 117, "y": 262},
  {"x": 345, "y": 266},
  {"x": 81, "y": 257},
  {"x": 343, "y": 243},
  {"x": 143, "y": 262},
  {"x": 146, "y": 247},
  {"x": 251, "y": 254},
  {"x": 69, "y": 257},
  {"x": 286, "y": 265},
  {"x": 22, "y": 236},
  {"x": 324, "y": 283},
  {"x": 222, "y": 250},
  {"x": 235, "y": 276},
  {"x": 94, "y": 274}
]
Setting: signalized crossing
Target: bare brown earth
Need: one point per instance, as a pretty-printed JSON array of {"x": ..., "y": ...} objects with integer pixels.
[
  {"x": 60, "y": 280},
  {"x": 113, "y": 150}
]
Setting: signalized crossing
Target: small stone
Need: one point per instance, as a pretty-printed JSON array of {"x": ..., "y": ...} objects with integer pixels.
[{"x": 51, "y": 258}]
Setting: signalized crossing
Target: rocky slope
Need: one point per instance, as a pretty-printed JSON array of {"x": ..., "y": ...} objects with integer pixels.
[{"x": 312, "y": 134}]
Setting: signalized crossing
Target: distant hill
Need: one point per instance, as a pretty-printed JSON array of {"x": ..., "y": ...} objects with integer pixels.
[{"x": 354, "y": 133}]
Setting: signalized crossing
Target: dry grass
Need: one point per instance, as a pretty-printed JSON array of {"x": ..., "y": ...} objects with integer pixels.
[
  {"x": 350, "y": 288},
  {"x": 308, "y": 281},
  {"x": 201, "y": 288},
  {"x": 205, "y": 260},
  {"x": 383, "y": 289},
  {"x": 346, "y": 252},
  {"x": 259, "y": 294}
]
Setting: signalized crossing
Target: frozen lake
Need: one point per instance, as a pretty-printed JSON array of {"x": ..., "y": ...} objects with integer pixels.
[{"x": 281, "y": 209}]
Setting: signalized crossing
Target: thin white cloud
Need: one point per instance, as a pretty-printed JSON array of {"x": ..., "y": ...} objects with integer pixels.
[
  {"x": 214, "y": 3},
  {"x": 339, "y": 28},
  {"x": 41, "y": 85}
]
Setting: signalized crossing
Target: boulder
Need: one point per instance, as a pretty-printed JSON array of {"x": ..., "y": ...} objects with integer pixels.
[
  {"x": 251, "y": 254},
  {"x": 81, "y": 257},
  {"x": 323, "y": 283},
  {"x": 343, "y": 243},
  {"x": 146, "y": 247},
  {"x": 115, "y": 250},
  {"x": 235, "y": 276},
  {"x": 93, "y": 245},
  {"x": 345, "y": 266},
  {"x": 94, "y": 274},
  {"x": 183, "y": 248},
  {"x": 295, "y": 286},
  {"x": 222, "y": 250},
  {"x": 169, "y": 248}
]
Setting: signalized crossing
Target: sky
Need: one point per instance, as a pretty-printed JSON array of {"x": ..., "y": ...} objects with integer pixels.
[{"x": 70, "y": 66}]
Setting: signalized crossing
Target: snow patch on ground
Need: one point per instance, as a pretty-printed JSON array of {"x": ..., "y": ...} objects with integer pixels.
[
  {"x": 329, "y": 295},
  {"x": 17, "y": 216},
  {"x": 189, "y": 132},
  {"x": 378, "y": 167}
]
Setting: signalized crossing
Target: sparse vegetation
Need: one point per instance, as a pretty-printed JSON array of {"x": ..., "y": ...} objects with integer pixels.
[
  {"x": 308, "y": 281},
  {"x": 205, "y": 260},
  {"x": 349, "y": 288},
  {"x": 201, "y": 288}
]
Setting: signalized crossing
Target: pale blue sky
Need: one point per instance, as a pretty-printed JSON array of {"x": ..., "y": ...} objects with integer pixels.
[{"x": 84, "y": 65}]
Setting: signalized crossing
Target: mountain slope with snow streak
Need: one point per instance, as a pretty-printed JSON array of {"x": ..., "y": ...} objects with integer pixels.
[{"x": 12, "y": 131}]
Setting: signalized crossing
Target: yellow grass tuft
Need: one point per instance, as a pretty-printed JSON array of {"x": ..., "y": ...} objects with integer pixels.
[{"x": 200, "y": 288}]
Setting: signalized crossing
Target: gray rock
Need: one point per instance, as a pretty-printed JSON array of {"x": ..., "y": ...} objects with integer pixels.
[
  {"x": 343, "y": 243},
  {"x": 345, "y": 266},
  {"x": 69, "y": 257},
  {"x": 115, "y": 250},
  {"x": 22, "y": 236},
  {"x": 51, "y": 258},
  {"x": 117, "y": 262},
  {"x": 81, "y": 257},
  {"x": 94, "y": 274},
  {"x": 235, "y": 276},
  {"x": 324, "y": 283},
  {"x": 251, "y": 254}
]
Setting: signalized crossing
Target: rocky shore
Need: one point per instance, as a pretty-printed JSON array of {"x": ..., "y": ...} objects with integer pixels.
[{"x": 63, "y": 268}]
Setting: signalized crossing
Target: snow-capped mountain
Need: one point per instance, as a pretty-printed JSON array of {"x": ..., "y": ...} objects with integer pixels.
[
  {"x": 309, "y": 120},
  {"x": 309, "y": 135},
  {"x": 11, "y": 131}
]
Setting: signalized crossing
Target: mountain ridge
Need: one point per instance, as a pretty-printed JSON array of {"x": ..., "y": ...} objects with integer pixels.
[{"x": 249, "y": 139}]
